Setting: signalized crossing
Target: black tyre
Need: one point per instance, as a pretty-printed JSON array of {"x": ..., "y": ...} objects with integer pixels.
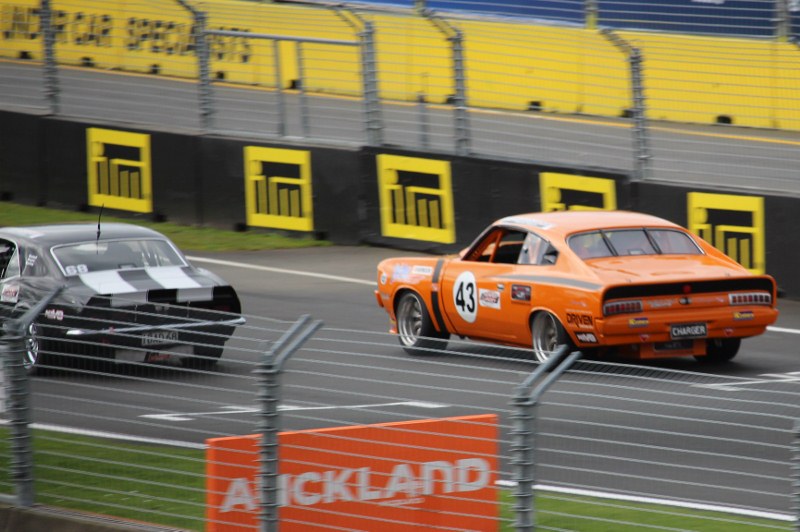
[
  {"x": 547, "y": 335},
  {"x": 205, "y": 357},
  {"x": 415, "y": 328},
  {"x": 720, "y": 350}
]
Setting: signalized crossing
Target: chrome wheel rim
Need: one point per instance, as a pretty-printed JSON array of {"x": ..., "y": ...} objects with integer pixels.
[
  {"x": 409, "y": 320},
  {"x": 31, "y": 355},
  {"x": 545, "y": 336}
]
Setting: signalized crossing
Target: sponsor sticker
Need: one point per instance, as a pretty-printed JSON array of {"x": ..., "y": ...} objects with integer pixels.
[
  {"x": 422, "y": 270},
  {"x": 520, "y": 292},
  {"x": 744, "y": 315},
  {"x": 10, "y": 293},
  {"x": 401, "y": 272},
  {"x": 586, "y": 337},
  {"x": 579, "y": 320},
  {"x": 489, "y": 298},
  {"x": 638, "y": 322},
  {"x": 54, "y": 314}
]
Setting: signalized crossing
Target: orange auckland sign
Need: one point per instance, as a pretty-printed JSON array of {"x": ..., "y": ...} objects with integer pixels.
[{"x": 429, "y": 473}]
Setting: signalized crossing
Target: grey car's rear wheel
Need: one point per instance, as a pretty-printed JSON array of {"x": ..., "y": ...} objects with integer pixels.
[
  {"x": 547, "y": 336},
  {"x": 205, "y": 356},
  {"x": 415, "y": 328}
]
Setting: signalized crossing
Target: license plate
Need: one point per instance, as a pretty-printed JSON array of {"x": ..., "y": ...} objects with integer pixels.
[
  {"x": 688, "y": 330},
  {"x": 159, "y": 338}
]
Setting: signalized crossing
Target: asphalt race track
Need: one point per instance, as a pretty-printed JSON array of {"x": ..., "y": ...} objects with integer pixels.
[{"x": 336, "y": 285}]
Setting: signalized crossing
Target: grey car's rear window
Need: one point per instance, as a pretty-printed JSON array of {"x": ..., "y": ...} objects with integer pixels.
[{"x": 86, "y": 257}]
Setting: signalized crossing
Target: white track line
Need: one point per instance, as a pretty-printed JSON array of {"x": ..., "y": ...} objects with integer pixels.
[
  {"x": 353, "y": 280},
  {"x": 260, "y": 268}
]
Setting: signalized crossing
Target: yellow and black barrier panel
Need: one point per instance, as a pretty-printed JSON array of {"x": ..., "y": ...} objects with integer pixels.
[
  {"x": 567, "y": 192},
  {"x": 732, "y": 223},
  {"x": 278, "y": 189},
  {"x": 416, "y": 198},
  {"x": 119, "y": 170}
]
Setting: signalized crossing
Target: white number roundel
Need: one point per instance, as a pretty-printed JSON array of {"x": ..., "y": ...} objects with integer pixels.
[{"x": 465, "y": 297}]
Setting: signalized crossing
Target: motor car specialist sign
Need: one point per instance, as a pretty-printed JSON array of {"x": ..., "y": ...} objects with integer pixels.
[{"x": 426, "y": 473}]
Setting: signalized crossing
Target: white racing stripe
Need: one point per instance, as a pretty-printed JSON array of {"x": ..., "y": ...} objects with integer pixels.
[
  {"x": 106, "y": 282},
  {"x": 172, "y": 277}
]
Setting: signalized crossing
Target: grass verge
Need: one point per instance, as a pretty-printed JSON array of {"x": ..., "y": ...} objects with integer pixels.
[
  {"x": 166, "y": 486},
  {"x": 188, "y": 238}
]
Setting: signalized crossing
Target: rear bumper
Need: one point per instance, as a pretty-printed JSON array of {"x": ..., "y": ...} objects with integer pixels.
[
  {"x": 140, "y": 329},
  {"x": 728, "y": 322}
]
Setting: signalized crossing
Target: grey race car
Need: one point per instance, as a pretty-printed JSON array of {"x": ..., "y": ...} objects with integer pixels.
[{"x": 126, "y": 293}]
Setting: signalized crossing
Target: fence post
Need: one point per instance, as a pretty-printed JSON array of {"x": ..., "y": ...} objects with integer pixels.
[
  {"x": 301, "y": 91},
  {"x": 51, "y": 88},
  {"x": 205, "y": 92},
  {"x": 642, "y": 159},
  {"x": 641, "y": 146},
  {"x": 424, "y": 122},
  {"x": 269, "y": 396},
  {"x": 463, "y": 140},
  {"x": 796, "y": 474},
  {"x": 459, "y": 99},
  {"x": 523, "y": 434},
  {"x": 13, "y": 345},
  {"x": 592, "y": 14},
  {"x": 369, "y": 76},
  {"x": 783, "y": 20}
]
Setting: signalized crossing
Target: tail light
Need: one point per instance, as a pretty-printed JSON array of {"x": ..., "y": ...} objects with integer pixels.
[
  {"x": 622, "y": 307},
  {"x": 750, "y": 298}
]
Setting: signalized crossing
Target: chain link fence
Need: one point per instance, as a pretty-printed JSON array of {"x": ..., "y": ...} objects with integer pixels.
[{"x": 353, "y": 431}]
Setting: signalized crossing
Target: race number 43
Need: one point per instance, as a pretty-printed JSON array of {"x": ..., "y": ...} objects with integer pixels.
[{"x": 465, "y": 297}]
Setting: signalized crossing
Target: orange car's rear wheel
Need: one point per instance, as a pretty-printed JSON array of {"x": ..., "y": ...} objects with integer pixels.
[
  {"x": 415, "y": 328},
  {"x": 547, "y": 335},
  {"x": 721, "y": 349}
]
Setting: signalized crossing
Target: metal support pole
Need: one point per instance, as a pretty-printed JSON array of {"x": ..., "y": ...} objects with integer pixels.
[
  {"x": 463, "y": 140},
  {"x": 424, "y": 122},
  {"x": 796, "y": 475},
  {"x": 461, "y": 114},
  {"x": 279, "y": 103},
  {"x": 269, "y": 396},
  {"x": 783, "y": 21},
  {"x": 642, "y": 158},
  {"x": 641, "y": 141},
  {"x": 12, "y": 349},
  {"x": 592, "y": 14},
  {"x": 523, "y": 435},
  {"x": 205, "y": 91},
  {"x": 51, "y": 89},
  {"x": 301, "y": 88},
  {"x": 369, "y": 76}
]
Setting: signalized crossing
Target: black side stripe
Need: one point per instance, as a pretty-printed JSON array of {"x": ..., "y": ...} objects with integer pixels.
[{"x": 437, "y": 312}]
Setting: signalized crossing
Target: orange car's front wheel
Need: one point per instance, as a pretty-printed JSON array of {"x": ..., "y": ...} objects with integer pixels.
[
  {"x": 547, "y": 335},
  {"x": 415, "y": 328}
]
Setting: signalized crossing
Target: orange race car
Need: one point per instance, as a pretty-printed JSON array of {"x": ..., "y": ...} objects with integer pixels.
[{"x": 599, "y": 281}]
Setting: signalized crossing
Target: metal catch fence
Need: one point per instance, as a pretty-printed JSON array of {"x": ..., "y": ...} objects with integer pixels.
[
  {"x": 300, "y": 424},
  {"x": 677, "y": 104}
]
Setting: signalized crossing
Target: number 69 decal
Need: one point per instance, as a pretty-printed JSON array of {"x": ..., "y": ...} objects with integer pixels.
[{"x": 465, "y": 297}]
